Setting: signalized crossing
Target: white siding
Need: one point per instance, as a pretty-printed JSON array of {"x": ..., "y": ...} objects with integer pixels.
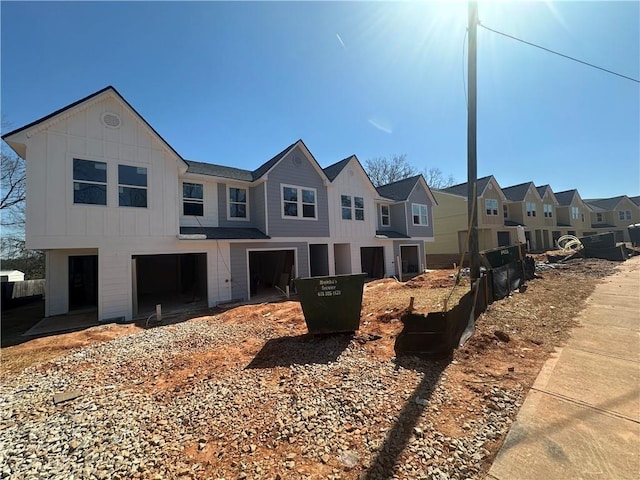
[
  {"x": 351, "y": 181},
  {"x": 53, "y": 219},
  {"x": 210, "y": 197}
]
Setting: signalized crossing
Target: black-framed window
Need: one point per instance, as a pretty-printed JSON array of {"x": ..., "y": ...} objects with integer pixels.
[
  {"x": 192, "y": 199},
  {"x": 132, "y": 186},
  {"x": 237, "y": 203},
  {"x": 89, "y": 182}
]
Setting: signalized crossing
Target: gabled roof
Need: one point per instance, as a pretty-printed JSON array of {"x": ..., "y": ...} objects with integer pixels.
[
  {"x": 332, "y": 171},
  {"x": 607, "y": 204},
  {"x": 517, "y": 193},
  {"x": 461, "y": 188},
  {"x": 635, "y": 200},
  {"x": 269, "y": 164},
  {"x": 233, "y": 173},
  {"x": 399, "y": 190},
  {"x": 565, "y": 198},
  {"x": 109, "y": 89}
]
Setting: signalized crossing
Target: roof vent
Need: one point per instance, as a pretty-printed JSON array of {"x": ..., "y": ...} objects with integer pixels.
[
  {"x": 111, "y": 120},
  {"x": 297, "y": 161}
]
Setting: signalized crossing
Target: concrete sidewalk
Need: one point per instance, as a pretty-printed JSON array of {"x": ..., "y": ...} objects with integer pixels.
[{"x": 581, "y": 419}]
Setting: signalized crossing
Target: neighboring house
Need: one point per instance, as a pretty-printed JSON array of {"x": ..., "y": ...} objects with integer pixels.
[
  {"x": 494, "y": 227},
  {"x": 572, "y": 213},
  {"x": 534, "y": 208},
  {"x": 11, "y": 276},
  {"x": 405, "y": 216},
  {"x": 127, "y": 223},
  {"x": 614, "y": 215},
  {"x": 635, "y": 200}
]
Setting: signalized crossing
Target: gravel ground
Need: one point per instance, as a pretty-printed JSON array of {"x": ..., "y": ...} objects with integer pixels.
[
  {"x": 247, "y": 395},
  {"x": 336, "y": 414}
]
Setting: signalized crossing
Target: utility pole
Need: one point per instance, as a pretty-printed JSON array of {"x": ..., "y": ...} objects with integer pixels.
[{"x": 472, "y": 157}]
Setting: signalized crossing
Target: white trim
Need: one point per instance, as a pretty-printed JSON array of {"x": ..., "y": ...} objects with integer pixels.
[
  {"x": 228, "y": 202},
  {"x": 380, "y": 205},
  {"x": 427, "y": 215},
  {"x": 298, "y": 202}
]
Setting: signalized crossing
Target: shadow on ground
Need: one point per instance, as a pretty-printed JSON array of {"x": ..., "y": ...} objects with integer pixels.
[
  {"x": 301, "y": 350},
  {"x": 18, "y": 320},
  {"x": 384, "y": 464}
]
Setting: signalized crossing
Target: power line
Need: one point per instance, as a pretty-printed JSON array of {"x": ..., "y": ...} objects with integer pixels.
[{"x": 558, "y": 53}]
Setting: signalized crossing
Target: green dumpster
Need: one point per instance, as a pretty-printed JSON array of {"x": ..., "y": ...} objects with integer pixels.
[{"x": 331, "y": 304}]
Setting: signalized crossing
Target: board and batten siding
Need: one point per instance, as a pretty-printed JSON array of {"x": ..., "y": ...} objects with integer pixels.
[
  {"x": 51, "y": 213},
  {"x": 352, "y": 182},
  {"x": 210, "y": 205},
  {"x": 114, "y": 284},
  {"x": 239, "y": 258},
  {"x": 296, "y": 169}
]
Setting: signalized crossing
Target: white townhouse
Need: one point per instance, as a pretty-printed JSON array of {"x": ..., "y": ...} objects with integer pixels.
[{"x": 126, "y": 222}]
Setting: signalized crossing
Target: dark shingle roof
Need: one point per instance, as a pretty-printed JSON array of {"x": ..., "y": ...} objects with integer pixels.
[
  {"x": 461, "y": 188},
  {"x": 399, "y": 190},
  {"x": 635, "y": 200},
  {"x": 605, "y": 203},
  {"x": 237, "y": 173},
  {"x": 390, "y": 234},
  {"x": 225, "y": 233},
  {"x": 542, "y": 190},
  {"x": 265, "y": 167},
  {"x": 602, "y": 225},
  {"x": 516, "y": 193},
  {"x": 565, "y": 198},
  {"x": 219, "y": 171},
  {"x": 332, "y": 171},
  {"x": 511, "y": 223}
]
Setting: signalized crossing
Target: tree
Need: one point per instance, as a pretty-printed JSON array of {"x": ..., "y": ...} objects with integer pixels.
[
  {"x": 12, "y": 186},
  {"x": 436, "y": 179},
  {"x": 383, "y": 170}
]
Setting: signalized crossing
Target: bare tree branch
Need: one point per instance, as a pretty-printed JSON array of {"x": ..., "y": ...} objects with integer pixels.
[
  {"x": 436, "y": 179},
  {"x": 383, "y": 170}
]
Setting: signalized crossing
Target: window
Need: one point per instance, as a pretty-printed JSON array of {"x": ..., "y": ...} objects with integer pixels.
[
  {"x": 192, "y": 199},
  {"x": 505, "y": 211},
  {"x": 599, "y": 217},
  {"x": 491, "y": 206},
  {"x": 132, "y": 186},
  {"x": 89, "y": 182},
  {"x": 548, "y": 210},
  {"x": 385, "y": 217},
  {"x": 420, "y": 216},
  {"x": 298, "y": 202},
  {"x": 624, "y": 214},
  {"x": 237, "y": 203},
  {"x": 531, "y": 209},
  {"x": 347, "y": 202},
  {"x": 575, "y": 213}
]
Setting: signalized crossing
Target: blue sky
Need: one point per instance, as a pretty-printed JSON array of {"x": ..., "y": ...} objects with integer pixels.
[{"x": 235, "y": 83}]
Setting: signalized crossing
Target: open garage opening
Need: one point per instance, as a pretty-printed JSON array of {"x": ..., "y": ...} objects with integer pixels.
[
  {"x": 372, "y": 261},
  {"x": 270, "y": 273},
  {"x": 176, "y": 282}
]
